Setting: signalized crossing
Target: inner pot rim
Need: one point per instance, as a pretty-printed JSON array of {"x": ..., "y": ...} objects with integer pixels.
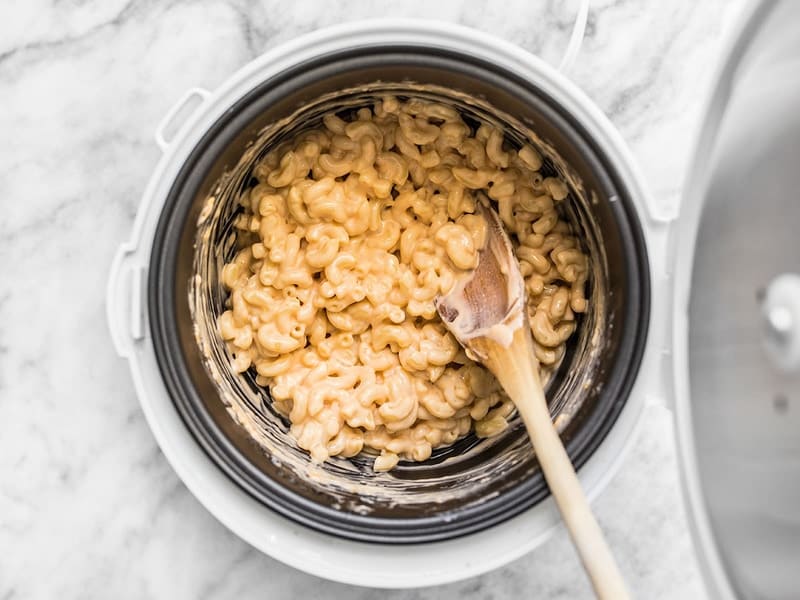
[{"x": 172, "y": 364}]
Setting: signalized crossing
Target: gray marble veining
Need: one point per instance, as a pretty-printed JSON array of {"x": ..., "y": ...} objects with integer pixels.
[{"x": 89, "y": 507}]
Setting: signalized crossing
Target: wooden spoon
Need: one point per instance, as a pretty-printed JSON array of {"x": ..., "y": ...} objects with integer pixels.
[{"x": 485, "y": 311}]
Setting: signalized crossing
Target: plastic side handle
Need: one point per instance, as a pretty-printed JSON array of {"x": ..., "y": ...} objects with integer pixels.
[
  {"x": 124, "y": 306},
  {"x": 172, "y": 113}
]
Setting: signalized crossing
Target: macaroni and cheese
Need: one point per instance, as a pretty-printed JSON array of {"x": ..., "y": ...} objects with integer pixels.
[{"x": 351, "y": 232}]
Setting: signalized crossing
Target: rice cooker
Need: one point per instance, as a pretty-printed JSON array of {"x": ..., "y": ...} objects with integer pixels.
[{"x": 699, "y": 311}]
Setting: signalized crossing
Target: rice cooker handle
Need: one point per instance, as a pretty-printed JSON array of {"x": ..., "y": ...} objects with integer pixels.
[
  {"x": 576, "y": 38},
  {"x": 124, "y": 301},
  {"x": 780, "y": 310},
  {"x": 169, "y": 120}
]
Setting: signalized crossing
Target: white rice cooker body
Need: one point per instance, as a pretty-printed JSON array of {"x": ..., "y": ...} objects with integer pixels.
[{"x": 323, "y": 555}]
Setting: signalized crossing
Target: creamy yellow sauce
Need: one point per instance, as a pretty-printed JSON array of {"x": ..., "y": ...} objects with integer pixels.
[{"x": 350, "y": 234}]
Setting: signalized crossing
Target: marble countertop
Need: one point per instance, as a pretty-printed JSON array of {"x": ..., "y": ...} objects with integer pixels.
[{"x": 89, "y": 507}]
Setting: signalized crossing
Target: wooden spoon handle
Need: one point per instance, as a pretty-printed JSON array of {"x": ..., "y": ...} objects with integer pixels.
[
  {"x": 566, "y": 489},
  {"x": 517, "y": 371}
]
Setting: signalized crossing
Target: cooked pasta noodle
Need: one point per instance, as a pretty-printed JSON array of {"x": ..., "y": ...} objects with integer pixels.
[{"x": 350, "y": 234}]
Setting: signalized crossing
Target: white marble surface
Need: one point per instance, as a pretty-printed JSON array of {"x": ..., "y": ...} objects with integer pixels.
[{"x": 89, "y": 507}]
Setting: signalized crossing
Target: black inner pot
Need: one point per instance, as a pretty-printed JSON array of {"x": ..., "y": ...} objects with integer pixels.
[{"x": 472, "y": 485}]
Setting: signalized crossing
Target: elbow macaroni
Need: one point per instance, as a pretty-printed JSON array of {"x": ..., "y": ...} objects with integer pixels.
[{"x": 348, "y": 237}]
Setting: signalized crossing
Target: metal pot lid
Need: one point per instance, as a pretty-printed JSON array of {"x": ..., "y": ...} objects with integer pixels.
[{"x": 737, "y": 326}]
